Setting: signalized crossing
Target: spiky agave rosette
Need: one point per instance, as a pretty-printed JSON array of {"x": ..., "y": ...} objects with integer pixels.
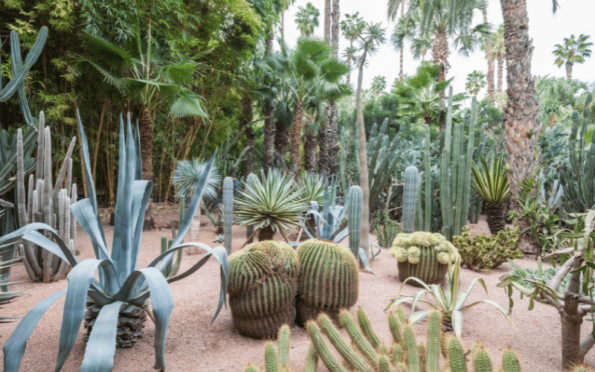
[
  {"x": 262, "y": 288},
  {"x": 423, "y": 255}
]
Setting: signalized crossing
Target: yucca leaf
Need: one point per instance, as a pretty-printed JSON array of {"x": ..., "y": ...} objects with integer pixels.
[
  {"x": 101, "y": 347},
  {"x": 59, "y": 249},
  {"x": 140, "y": 197},
  {"x": 418, "y": 316},
  {"x": 457, "y": 322}
]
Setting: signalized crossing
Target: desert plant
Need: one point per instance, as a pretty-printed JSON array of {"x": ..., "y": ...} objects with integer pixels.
[
  {"x": 271, "y": 204},
  {"x": 249, "y": 229},
  {"x": 423, "y": 255},
  {"x": 410, "y": 194},
  {"x": 312, "y": 186},
  {"x": 483, "y": 252},
  {"x": 491, "y": 184},
  {"x": 6, "y": 296},
  {"x": 173, "y": 267},
  {"x": 450, "y": 302},
  {"x": 329, "y": 279},
  {"x": 120, "y": 294},
  {"x": 387, "y": 231},
  {"x": 262, "y": 288},
  {"x": 227, "y": 213}
]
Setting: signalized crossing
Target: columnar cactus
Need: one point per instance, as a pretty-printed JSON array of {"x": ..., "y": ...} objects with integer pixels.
[
  {"x": 410, "y": 198},
  {"x": 227, "y": 213},
  {"x": 329, "y": 279},
  {"x": 354, "y": 213},
  {"x": 46, "y": 203},
  {"x": 262, "y": 288},
  {"x": 423, "y": 255}
]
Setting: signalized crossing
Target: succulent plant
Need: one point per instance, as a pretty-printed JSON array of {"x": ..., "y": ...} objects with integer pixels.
[
  {"x": 491, "y": 185},
  {"x": 485, "y": 252},
  {"x": 423, "y": 255},
  {"x": 263, "y": 279},
  {"x": 227, "y": 213},
  {"x": 329, "y": 279},
  {"x": 410, "y": 198},
  {"x": 122, "y": 289}
]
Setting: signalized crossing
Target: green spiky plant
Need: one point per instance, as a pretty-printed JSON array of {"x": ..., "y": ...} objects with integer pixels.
[
  {"x": 451, "y": 302},
  {"x": 423, "y": 255},
  {"x": 227, "y": 213},
  {"x": 262, "y": 288},
  {"x": 364, "y": 352},
  {"x": 328, "y": 265},
  {"x": 312, "y": 186},
  {"x": 122, "y": 290},
  {"x": 271, "y": 204},
  {"x": 485, "y": 252},
  {"x": 491, "y": 184},
  {"x": 173, "y": 267},
  {"x": 6, "y": 296},
  {"x": 387, "y": 231}
]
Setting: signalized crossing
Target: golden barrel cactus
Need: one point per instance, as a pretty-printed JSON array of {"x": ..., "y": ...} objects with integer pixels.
[
  {"x": 262, "y": 288},
  {"x": 423, "y": 255}
]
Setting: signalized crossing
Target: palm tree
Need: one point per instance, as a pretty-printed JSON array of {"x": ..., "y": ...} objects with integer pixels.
[
  {"x": 420, "y": 45},
  {"x": 141, "y": 71},
  {"x": 406, "y": 29},
  {"x": 378, "y": 85},
  {"x": 352, "y": 27},
  {"x": 574, "y": 50},
  {"x": 498, "y": 50},
  {"x": 392, "y": 11},
  {"x": 475, "y": 82},
  {"x": 286, "y": 5},
  {"x": 488, "y": 49},
  {"x": 369, "y": 40},
  {"x": 307, "y": 19}
]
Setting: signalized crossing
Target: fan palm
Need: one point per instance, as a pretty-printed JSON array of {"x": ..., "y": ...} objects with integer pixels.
[
  {"x": 307, "y": 19},
  {"x": 475, "y": 82},
  {"x": 378, "y": 85},
  {"x": 352, "y": 27},
  {"x": 142, "y": 73},
  {"x": 270, "y": 204},
  {"x": 491, "y": 185},
  {"x": 498, "y": 50},
  {"x": 573, "y": 50}
]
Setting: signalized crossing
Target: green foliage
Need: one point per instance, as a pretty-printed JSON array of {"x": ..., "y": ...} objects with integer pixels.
[
  {"x": 307, "y": 19},
  {"x": 172, "y": 267},
  {"x": 312, "y": 186},
  {"x": 387, "y": 231},
  {"x": 7, "y": 262},
  {"x": 187, "y": 175},
  {"x": 476, "y": 81},
  {"x": 574, "y": 50},
  {"x": 486, "y": 252},
  {"x": 491, "y": 182}
]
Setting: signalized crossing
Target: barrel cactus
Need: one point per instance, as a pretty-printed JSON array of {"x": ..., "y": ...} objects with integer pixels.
[
  {"x": 329, "y": 280},
  {"x": 423, "y": 255},
  {"x": 262, "y": 288}
]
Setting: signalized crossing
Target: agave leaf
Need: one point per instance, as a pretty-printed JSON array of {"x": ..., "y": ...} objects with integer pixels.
[
  {"x": 457, "y": 322},
  {"x": 84, "y": 214},
  {"x": 416, "y": 298},
  {"x": 141, "y": 193},
  {"x": 59, "y": 249},
  {"x": 14, "y": 348},
  {"x": 364, "y": 258},
  {"x": 101, "y": 347},
  {"x": 417, "y": 317}
]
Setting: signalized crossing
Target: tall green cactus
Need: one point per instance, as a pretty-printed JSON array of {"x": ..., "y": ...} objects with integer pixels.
[
  {"x": 434, "y": 330},
  {"x": 344, "y": 349},
  {"x": 410, "y": 198},
  {"x": 227, "y": 213},
  {"x": 455, "y": 173},
  {"x": 510, "y": 361},
  {"x": 329, "y": 279},
  {"x": 354, "y": 217},
  {"x": 48, "y": 204},
  {"x": 284, "y": 337}
]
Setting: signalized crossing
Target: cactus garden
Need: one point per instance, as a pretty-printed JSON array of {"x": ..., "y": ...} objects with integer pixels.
[{"x": 236, "y": 186}]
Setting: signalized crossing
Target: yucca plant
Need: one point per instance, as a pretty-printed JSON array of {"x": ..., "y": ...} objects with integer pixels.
[
  {"x": 122, "y": 289},
  {"x": 491, "y": 184},
  {"x": 450, "y": 301},
  {"x": 271, "y": 203},
  {"x": 312, "y": 186}
]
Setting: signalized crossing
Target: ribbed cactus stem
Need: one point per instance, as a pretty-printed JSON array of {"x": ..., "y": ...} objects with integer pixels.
[
  {"x": 251, "y": 368},
  {"x": 428, "y": 183},
  {"x": 342, "y": 347},
  {"x": 364, "y": 324},
  {"x": 383, "y": 364},
  {"x": 456, "y": 354},
  {"x": 227, "y": 212},
  {"x": 271, "y": 363},
  {"x": 311, "y": 364},
  {"x": 400, "y": 313},
  {"x": 395, "y": 329},
  {"x": 251, "y": 182},
  {"x": 410, "y": 198},
  {"x": 354, "y": 217},
  {"x": 397, "y": 354},
  {"x": 322, "y": 349},
  {"x": 482, "y": 361},
  {"x": 357, "y": 338},
  {"x": 510, "y": 361},
  {"x": 284, "y": 337},
  {"x": 383, "y": 349},
  {"x": 411, "y": 348},
  {"x": 433, "y": 352},
  {"x": 421, "y": 351},
  {"x": 444, "y": 341}
]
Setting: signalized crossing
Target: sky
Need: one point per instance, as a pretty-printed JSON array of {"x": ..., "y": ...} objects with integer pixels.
[{"x": 546, "y": 30}]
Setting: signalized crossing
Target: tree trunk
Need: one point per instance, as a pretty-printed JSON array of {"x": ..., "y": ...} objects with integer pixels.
[
  {"x": 245, "y": 119},
  {"x": 146, "y": 143},
  {"x": 521, "y": 114},
  {"x": 98, "y": 137},
  {"x": 327, "y": 21},
  {"x": 332, "y": 139},
  {"x": 440, "y": 53},
  {"x": 484, "y": 11},
  {"x": 281, "y": 139},
  {"x": 296, "y": 138},
  {"x": 572, "y": 320},
  {"x": 363, "y": 163},
  {"x": 310, "y": 149},
  {"x": 401, "y": 51},
  {"x": 569, "y": 70},
  {"x": 500, "y": 67},
  {"x": 269, "y": 123},
  {"x": 266, "y": 233}
]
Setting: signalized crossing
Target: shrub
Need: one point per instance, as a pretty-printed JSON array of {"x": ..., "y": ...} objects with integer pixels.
[
  {"x": 388, "y": 231},
  {"x": 484, "y": 252}
]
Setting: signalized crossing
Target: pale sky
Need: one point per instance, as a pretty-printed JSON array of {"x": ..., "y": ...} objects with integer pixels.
[{"x": 546, "y": 30}]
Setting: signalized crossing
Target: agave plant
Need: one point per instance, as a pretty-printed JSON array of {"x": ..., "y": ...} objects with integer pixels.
[
  {"x": 121, "y": 285},
  {"x": 5, "y": 295},
  {"x": 270, "y": 204},
  {"x": 491, "y": 184},
  {"x": 450, "y": 302},
  {"x": 312, "y": 186}
]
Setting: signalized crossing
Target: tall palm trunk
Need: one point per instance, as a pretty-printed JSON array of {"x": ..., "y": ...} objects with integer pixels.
[
  {"x": 296, "y": 138},
  {"x": 521, "y": 115},
  {"x": 245, "y": 119},
  {"x": 332, "y": 135},
  {"x": 146, "y": 143},
  {"x": 281, "y": 139},
  {"x": 500, "y": 67},
  {"x": 327, "y": 21},
  {"x": 440, "y": 53},
  {"x": 269, "y": 122},
  {"x": 569, "y": 70},
  {"x": 401, "y": 52},
  {"x": 363, "y": 163},
  {"x": 489, "y": 55},
  {"x": 310, "y": 149}
]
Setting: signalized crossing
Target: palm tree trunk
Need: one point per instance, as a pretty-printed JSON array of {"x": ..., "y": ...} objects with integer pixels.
[
  {"x": 363, "y": 163},
  {"x": 521, "y": 115},
  {"x": 269, "y": 123},
  {"x": 401, "y": 51},
  {"x": 569, "y": 70},
  {"x": 98, "y": 137},
  {"x": 489, "y": 55},
  {"x": 296, "y": 138},
  {"x": 500, "y": 67},
  {"x": 245, "y": 119},
  {"x": 281, "y": 139},
  {"x": 332, "y": 133},
  {"x": 327, "y": 21},
  {"x": 310, "y": 149},
  {"x": 146, "y": 143},
  {"x": 440, "y": 53}
]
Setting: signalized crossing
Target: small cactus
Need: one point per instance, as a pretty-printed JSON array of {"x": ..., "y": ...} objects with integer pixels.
[
  {"x": 270, "y": 358},
  {"x": 510, "y": 361},
  {"x": 357, "y": 338},
  {"x": 383, "y": 364},
  {"x": 251, "y": 368},
  {"x": 364, "y": 324},
  {"x": 350, "y": 356},
  {"x": 410, "y": 198},
  {"x": 456, "y": 354},
  {"x": 284, "y": 336},
  {"x": 311, "y": 360},
  {"x": 421, "y": 351},
  {"x": 321, "y": 349},
  {"x": 411, "y": 347},
  {"x": 433, "y": 352},
  {"x": 395, "y": 329},
  {"x": 397, "y": 354},
  {"x": 481, "y": 360}
]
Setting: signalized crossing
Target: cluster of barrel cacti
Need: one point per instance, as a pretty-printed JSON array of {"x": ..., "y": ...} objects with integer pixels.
[
  {"x": 48, "y": 203},
  {"x": 423, "y": 255},
  {"x": 366, "y": 352}
]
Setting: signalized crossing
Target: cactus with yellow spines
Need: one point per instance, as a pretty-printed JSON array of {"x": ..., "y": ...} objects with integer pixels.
[
  {"x": 357, "y": 338},
  {"x": 421, "y": 352},
  {"x": 395, "y": 328},
  {"x": 423, "y": 255},
  {"x": 444, "y": 342},
  {"x": 321, "y": 349},
  {"x": 271, "y": 364},
  {"x": 481, "y": 359},
  {"x": 311, "y": 360},
  {"x": 510, "y": 361},
  {"x": 262, "y": 288},
  {"x": 397, "y": 354},
  {"x": 283, "y": 338},
  {"x": 456, "y": 355},
  {"x": 342, "y": 347},
  {"x": 434, "y": 331},
  {"x": 384, "y": 364},
  {"x": 251, "y": 368},
  {"x": 364, "y": 324},
  {"x": 411, "y": 348},
  {"x": 329, "y": 279},
  {"x": 383, "y": 349}
]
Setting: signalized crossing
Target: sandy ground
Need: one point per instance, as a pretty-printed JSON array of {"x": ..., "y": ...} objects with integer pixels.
[{"x": 195, "y": 345}]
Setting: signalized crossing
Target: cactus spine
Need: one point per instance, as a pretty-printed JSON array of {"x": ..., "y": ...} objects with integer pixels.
[
  {"x": 227, "y": 212},
  {"x": 354, "y": 217},
  {"x": 411, "y": 347},
  {"x": 47, "y": 204},
  {"x": 251, "y": 368},
  {"x": 311, "y": 360},
  {"x": 357, "y": 338},
  {"x": 364, "y": 324},
  {"x": 433, "y": 355},
  {"x": 421, "y": 351},
  {"x": 284, "y": 336},
  {"x": 397, "y": 354},
  {"x": 456, "y": 354},
  {"x": 383, "y": 364},
  {"x": 410, "y": 198},
  {"x": 481, "y": 360},
  {"x": 395, "y": 329}
]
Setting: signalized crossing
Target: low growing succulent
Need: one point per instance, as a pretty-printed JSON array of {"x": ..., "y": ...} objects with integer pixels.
[{"x": 486, "y": 252}]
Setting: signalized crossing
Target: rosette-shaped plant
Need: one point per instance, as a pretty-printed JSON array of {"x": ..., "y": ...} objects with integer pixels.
[
  {"x": 423, "y": 255},
  {"x": 262, "y": 287},
  {"x": 329, "y": 280}
]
